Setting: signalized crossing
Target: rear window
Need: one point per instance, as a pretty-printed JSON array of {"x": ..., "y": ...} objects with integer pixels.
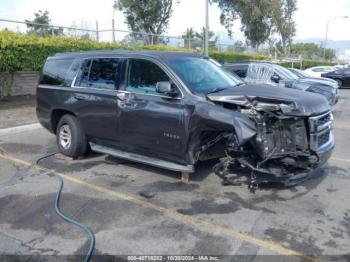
[{"x": 54, "y": 72}]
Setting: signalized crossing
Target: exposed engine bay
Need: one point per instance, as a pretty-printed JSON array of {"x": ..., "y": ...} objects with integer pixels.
[{"x": 287, "y": 147}]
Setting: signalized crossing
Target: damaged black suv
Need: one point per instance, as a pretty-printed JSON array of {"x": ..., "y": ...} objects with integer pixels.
[{"x": 172, "y": 110}]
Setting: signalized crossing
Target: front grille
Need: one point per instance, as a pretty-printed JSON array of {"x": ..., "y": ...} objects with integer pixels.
[
  {"x": 323, "y": 119},
  {"x": 320, "y": 130},
  {"x": 324, "y": 138},
  {"x": 320, "y": 122}
]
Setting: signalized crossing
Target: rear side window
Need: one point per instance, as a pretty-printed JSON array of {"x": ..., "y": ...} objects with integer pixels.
[
  {"x": 54, "y": 72},
  {"x": 99, "y": 73},
  {"x": 83, "y": 78},
  {"x": 72, "y": 72}
]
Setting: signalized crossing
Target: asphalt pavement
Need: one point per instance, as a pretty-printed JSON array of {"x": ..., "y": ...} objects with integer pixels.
[{"x": 134, "y": 209}]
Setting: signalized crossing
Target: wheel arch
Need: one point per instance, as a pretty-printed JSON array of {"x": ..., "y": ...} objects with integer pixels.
[{"x": 56, "y": 115}]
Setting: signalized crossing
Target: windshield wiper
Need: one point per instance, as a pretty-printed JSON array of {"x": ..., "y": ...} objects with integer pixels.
[{"x": 216, "y": 90}]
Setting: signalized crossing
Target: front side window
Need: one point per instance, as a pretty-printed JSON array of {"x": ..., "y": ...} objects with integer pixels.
[
  {"x": 143, "y": 75},
  {"x": 201, "y": 75},
  {"x": 99, "y": 73}
]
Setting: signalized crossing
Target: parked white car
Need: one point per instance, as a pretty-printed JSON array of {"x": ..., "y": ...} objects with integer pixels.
[{"x": 319, "y": 70}]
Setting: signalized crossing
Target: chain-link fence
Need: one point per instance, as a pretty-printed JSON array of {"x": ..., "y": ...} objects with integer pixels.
[{"x": 107, "y": 32}]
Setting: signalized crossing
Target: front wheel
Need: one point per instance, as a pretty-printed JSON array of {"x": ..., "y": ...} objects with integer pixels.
[
  {"x": 340, "y": 83},
  {"x": 70, "y": 137}
]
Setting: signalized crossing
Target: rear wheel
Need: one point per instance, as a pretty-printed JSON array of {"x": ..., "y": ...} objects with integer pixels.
[{"x": 70, "y": 137}]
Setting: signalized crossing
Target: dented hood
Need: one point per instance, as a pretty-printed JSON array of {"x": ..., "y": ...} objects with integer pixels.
[{"x": 290, "y": 101}]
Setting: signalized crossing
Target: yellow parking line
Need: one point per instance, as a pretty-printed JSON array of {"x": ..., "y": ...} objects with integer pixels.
[
  {"x": 340, "y": 159},
  {"x": 340, "y": 126},
  {"x": 199, "y": 223}
]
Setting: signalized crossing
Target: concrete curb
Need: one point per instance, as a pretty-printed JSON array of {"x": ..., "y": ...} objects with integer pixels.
[{"x": 19, "y": 129}]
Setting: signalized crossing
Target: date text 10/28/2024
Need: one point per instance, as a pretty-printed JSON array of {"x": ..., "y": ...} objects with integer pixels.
[{"x": 173, "y": 258}]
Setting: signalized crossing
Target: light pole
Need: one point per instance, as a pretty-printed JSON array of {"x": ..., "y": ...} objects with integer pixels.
[
  {"x": 206, "y": 43},
  {"x": 325, "y": 40}
]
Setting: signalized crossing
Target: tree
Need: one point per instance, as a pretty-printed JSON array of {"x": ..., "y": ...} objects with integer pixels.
[
  {"x": 200, "y": 36},
  {"x": 80, "y": 34},
  {"x": 237, "y": 47},
  {"x": 282, "y": 19},
  {"x": 40, "y": 25},
  {"x": 189, "y": 37},
  {"x": 146, "y": 16},
  {"x": 254, "y": 15},
  {"x": 311, "y": 51}
]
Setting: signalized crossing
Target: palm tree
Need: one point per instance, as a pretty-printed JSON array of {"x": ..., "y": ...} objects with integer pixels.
[
  {"x": 188, "y": 37},
  {"x": 211, "y": 35}
]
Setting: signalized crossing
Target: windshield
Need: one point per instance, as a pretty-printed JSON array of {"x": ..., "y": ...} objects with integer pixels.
[
  {"x": 201, "y": 75},
  {"x": 285, "y": 73}
]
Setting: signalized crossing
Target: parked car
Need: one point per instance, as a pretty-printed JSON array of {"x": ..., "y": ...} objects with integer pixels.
[
  {"x": 302, "y": 74},
  {"x": 276, "y": 75},
  {"x": 172, "y": 110},
  {"x": 322, "y": 80},
  {"x": 342, "y": 76},
  {"x": 317, "y": 71}
]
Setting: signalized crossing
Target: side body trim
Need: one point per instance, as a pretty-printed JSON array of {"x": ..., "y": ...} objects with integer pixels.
[{"x": 142, "y": 159}]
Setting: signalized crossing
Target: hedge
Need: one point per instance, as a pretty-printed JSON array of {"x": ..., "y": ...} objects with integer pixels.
[
  {"x": 223, "y": 57},
  {"x": 234, "y": 57},
  {"x": 28, "y": 52},
  {"x": 308, "y": 63}
]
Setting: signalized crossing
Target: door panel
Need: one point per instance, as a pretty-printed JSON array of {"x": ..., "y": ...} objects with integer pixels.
[
  {"x": 97, "y": 111},
  {"x": 153, "y": 125},
  {"x": 148, "y": 122},
  {"x": 95, "y": 98}
]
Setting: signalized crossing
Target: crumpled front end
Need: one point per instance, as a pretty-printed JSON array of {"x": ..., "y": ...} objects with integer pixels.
[{"x": 287, "y": 146}]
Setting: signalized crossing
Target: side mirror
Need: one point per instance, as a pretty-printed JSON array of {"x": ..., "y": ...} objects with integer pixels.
[
  {"x": 166, "y": 88},
  {"x": 275, "y": 78}
]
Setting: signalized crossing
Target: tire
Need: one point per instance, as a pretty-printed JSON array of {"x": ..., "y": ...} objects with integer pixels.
[
  {"x": 70, "y": 137},
  {"x": 340, "y": 83}
]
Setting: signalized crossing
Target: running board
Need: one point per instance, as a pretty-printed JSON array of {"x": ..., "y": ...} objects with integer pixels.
[{"x": 142, "y": 159}]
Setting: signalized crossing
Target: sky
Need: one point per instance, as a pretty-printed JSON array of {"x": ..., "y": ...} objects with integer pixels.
[{"x": 311, "y": 17}]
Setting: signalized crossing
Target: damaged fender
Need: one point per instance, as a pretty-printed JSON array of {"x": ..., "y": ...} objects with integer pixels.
[{"x": 209, "y": 121}]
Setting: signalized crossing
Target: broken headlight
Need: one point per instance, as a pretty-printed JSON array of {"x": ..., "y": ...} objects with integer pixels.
[{"x": 267, "y": 107}]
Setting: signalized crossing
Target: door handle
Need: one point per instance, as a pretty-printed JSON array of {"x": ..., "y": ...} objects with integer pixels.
[
  {"x": 80, "y": 97},
  {"x": 127, "y": 103},
  {"x": 121, "y": 96}
]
